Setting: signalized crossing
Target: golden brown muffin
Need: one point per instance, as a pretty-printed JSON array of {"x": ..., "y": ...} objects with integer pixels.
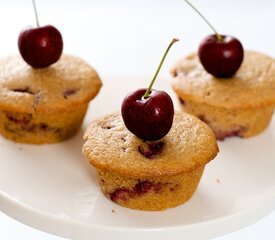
[
  {"x": 44, "y": 105},
  {"x": 239, "y": 106},
  {"x": 149, "y": 175}
]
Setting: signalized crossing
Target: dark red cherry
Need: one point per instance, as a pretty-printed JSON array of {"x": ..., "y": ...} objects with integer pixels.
[
  {"x": 149, "y": 113},
  {"x": 221, "y": 57},
  {"x": 40, "y": 46},
  {"x": 148, "y": 118},
  {"x": 151, "y": 149}
]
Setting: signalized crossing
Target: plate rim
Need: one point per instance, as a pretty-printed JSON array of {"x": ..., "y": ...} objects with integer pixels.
[
  {"x": 71, "y": 228},
  {"x": 219, "y": 226}
]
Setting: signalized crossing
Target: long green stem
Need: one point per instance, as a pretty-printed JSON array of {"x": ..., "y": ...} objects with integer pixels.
[
  {"x": 35, "y": 11},
  {"x": 159, "y": 67},
  {"x": 219, "y": 37}
]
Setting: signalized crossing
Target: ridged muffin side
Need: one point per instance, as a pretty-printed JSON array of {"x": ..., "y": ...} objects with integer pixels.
[
  {"x": 45, "y": 105},
  {"x": 167, "y": 179},
  {"x": 241, "y": 106}
]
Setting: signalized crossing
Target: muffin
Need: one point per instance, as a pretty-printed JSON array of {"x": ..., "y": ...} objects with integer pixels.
[
  {"x": 44, "y": 105},
  {"x": 239, "y": 106},
  {"x": 146, "y": 175}
]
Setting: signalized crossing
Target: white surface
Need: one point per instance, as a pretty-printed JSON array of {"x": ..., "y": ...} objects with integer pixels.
[
  {"x": 139, "y": 32},
  {"x": 54, "y": 189},
  {"x": 12, "y": 230}
]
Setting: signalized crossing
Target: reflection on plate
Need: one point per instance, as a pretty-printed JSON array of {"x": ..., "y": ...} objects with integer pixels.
[{"x": 53, "y": 188}]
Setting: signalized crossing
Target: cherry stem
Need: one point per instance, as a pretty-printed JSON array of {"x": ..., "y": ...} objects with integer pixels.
[
  {"x": 219, "y": 37},
  {"x": 159, "y": 67},
  {"x": 35, "y": 11}
]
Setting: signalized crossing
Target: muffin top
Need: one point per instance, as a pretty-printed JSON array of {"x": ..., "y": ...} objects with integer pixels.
[
  {"x": 252, "y": 86},
  {"x": 61, "y": 86},
  {"x": 110, "y": 146}
]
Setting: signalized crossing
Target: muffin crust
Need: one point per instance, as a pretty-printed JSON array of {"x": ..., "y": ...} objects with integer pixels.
[
  {"x": 240, "y": 106},
  {"x": 45, "y": 105},
  {"x": 252, "y": 86},
  {"x": 168, "y": 179}
]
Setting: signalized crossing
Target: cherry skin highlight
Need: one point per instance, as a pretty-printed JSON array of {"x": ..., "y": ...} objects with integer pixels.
[
  {"x": 149, "y": 113},
  {"x": 40, "y": 46},
  {"x": 148, "y": 118},
  {"x": 221, "y": 57}
]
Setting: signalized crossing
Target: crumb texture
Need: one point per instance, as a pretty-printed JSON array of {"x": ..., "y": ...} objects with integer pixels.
[
  {"x": 229, "y": 123},
  {"x": 256, "y": 75},
  {"x": 41, "y": 128},
  {"x": 45, "y": 105},
  {"x": 150, "y": 194},
  {"x": 109, "y": 146},
  {"x": 61, "y": 86}
]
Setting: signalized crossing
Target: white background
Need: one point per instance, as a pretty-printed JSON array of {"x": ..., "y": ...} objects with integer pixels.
[{"x": 128, "y": 37}]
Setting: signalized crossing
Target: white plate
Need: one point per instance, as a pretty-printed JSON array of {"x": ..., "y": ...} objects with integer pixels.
[{"x": 53, "y": 188}]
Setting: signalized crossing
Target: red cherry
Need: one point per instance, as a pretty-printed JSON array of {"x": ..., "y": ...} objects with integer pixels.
[
  {"x": 40, "y": 46},
  {"x": 221, "y": 58},
  {"x": 220, "y": 55},
  {"x": 148, "y": 118},
  {"x": 149, "y": 113}
]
